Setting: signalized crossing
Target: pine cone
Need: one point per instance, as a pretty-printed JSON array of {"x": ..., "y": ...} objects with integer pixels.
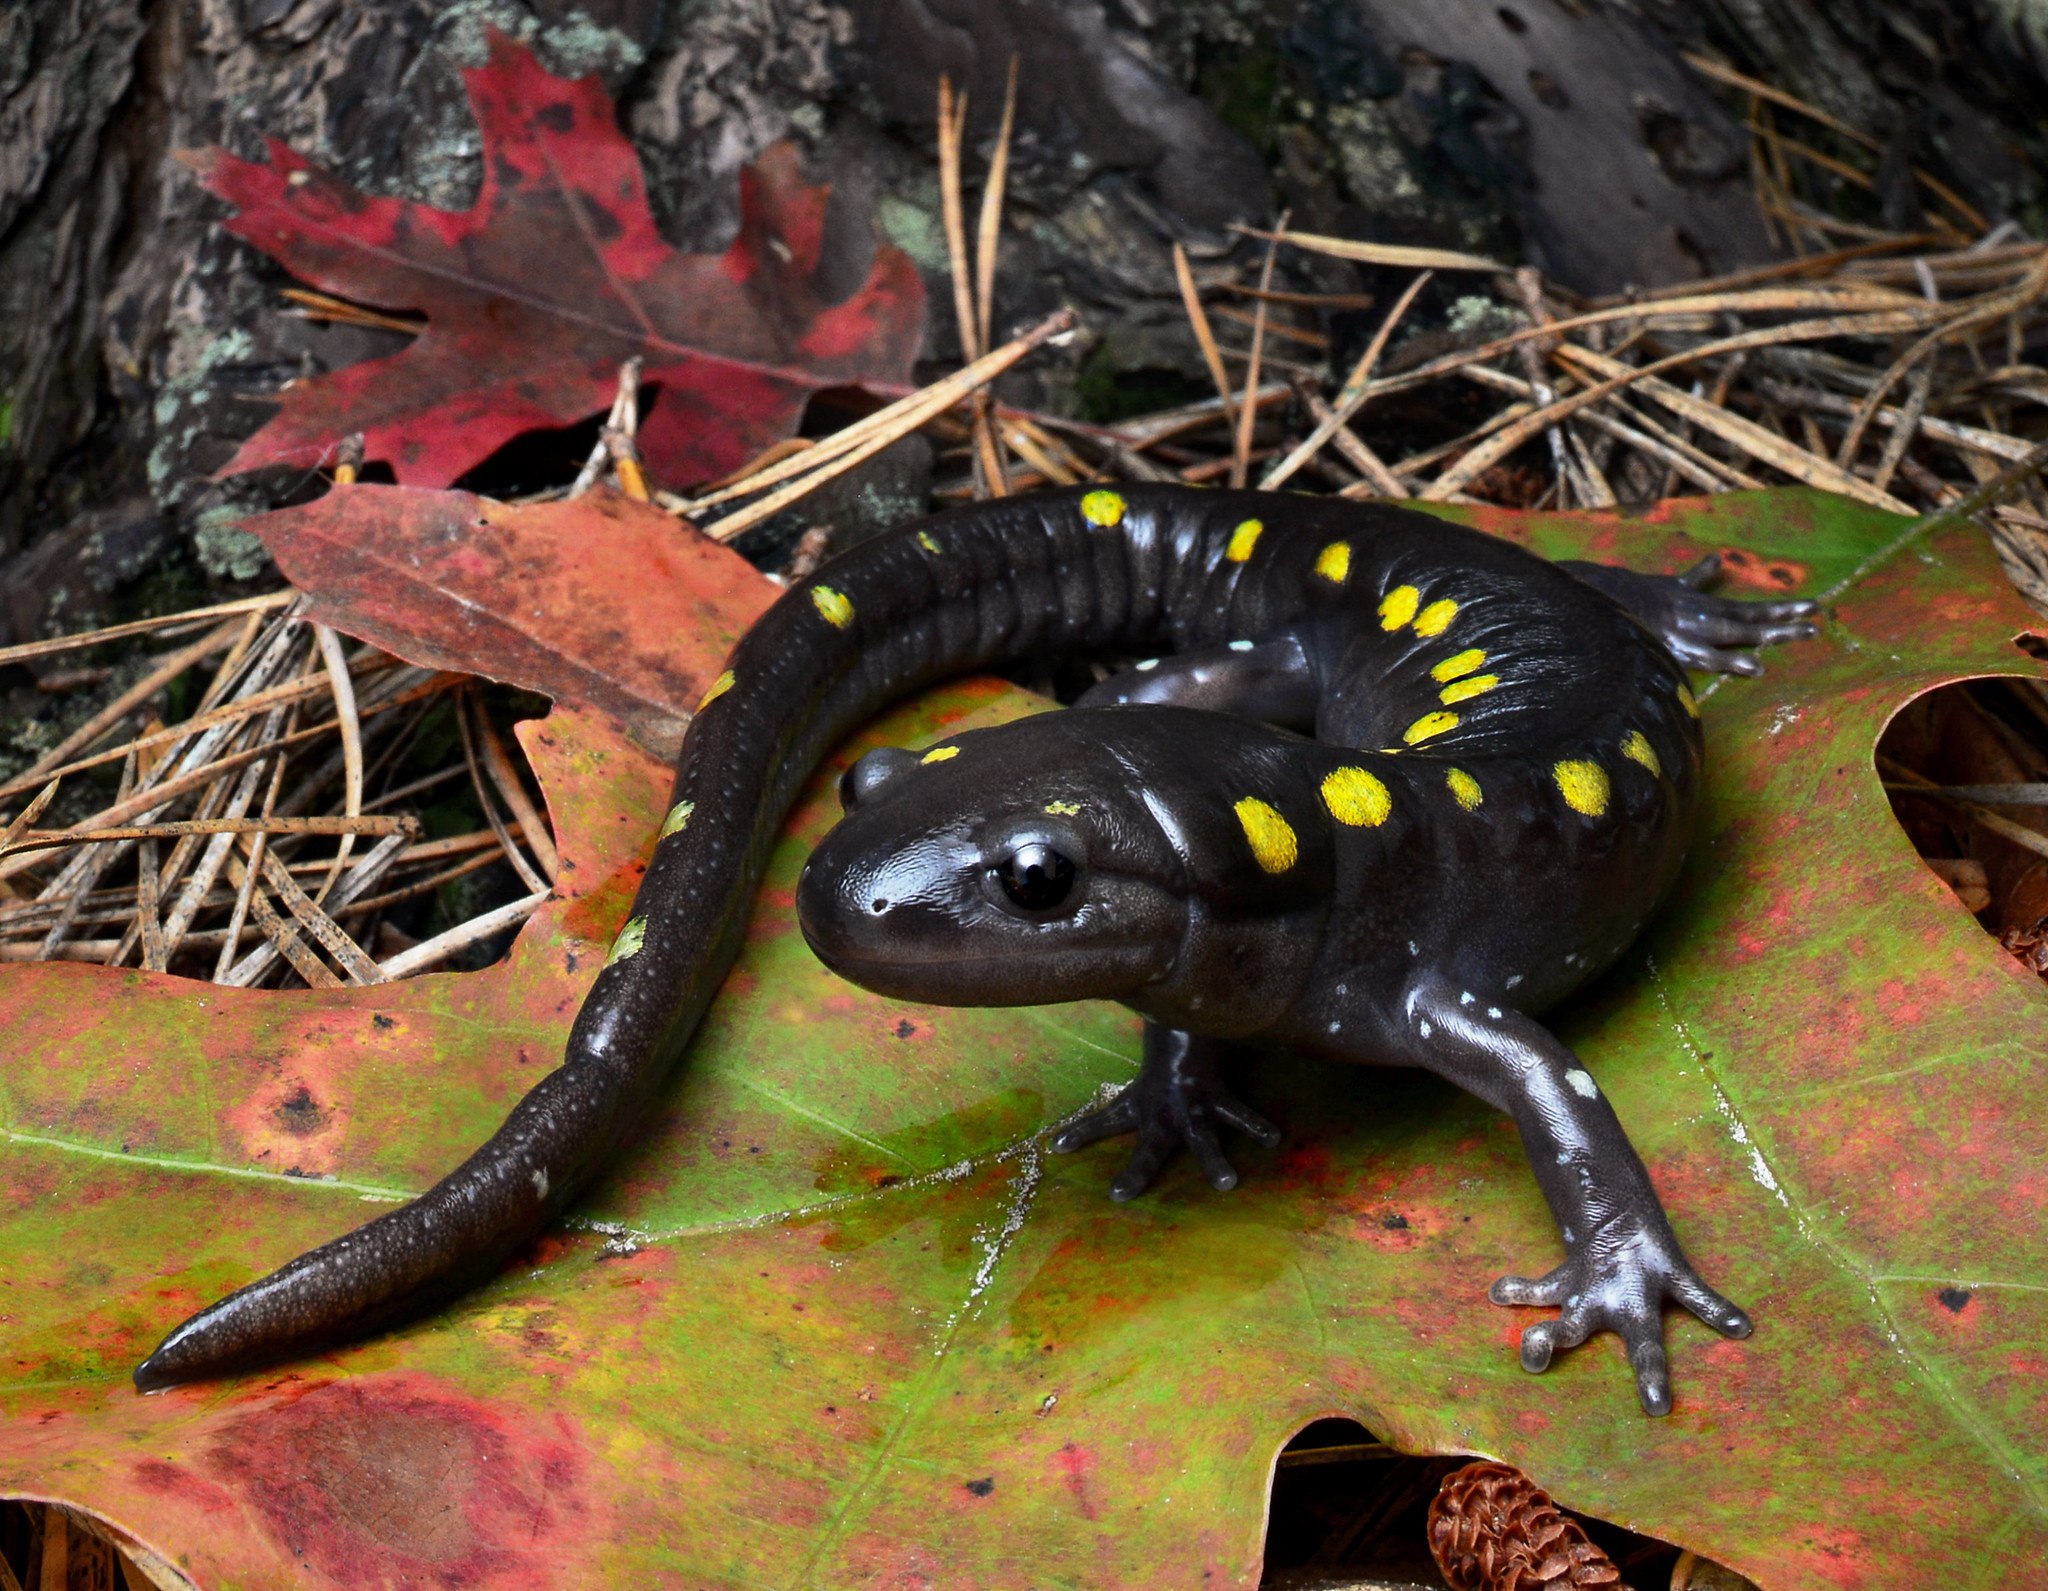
[{"x": 1491, "y": 1528}]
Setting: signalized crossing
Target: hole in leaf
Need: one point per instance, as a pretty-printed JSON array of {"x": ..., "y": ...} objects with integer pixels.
[
  {"x": 1966, "y": 768},
  {"x": 535, "y": 460}
]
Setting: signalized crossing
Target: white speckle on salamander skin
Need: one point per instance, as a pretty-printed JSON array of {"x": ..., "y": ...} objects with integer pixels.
[
  {"x": 1568, "y": 1238},
  {"x": 1342, "y": 991},
  {"x": 1517, "y": 978},
  {"x": 1413, "y": 948},
  {"x": 1464, "y": 997},
  {"x": 540, "y": 1182},
  {"x": 1148, "y": 665},
  {"x": 1494, "y": 1012},
  {"x": 1582, "y": 1083},
  {"x": 1336, "y": 1027},
  {"x": 1426, "y": 1029},
  {"x": 1240, "y": 646}
]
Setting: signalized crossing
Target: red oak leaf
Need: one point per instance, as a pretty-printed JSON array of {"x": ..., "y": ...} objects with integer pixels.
[{"x": 536, "y": 295}]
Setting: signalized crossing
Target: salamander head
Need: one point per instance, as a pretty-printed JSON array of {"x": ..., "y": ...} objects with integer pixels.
[{"x": 1008, "y": 866}]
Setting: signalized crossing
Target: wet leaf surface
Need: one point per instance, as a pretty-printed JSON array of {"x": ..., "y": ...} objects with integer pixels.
[
  {"x": 834, "y": 1320},
  {"x": 535, "y": 296}
]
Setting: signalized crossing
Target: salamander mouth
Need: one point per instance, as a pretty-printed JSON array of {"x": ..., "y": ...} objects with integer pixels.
[{"x": 940, "y": 975}]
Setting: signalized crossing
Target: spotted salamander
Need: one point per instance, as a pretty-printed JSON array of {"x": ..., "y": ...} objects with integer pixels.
[{"x": 1394, "y": 788}]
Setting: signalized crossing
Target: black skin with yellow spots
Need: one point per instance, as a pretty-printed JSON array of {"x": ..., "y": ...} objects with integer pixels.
[{"x": 1399, "y": 787}]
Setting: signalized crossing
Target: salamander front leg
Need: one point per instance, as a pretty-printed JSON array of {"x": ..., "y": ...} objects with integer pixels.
[
  {"x": 1621, "y": 1260},
  {"x": 1176, "y": 1102}
]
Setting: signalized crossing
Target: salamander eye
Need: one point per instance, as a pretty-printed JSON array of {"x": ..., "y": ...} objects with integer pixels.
[{"x": 1035, "y": 876}]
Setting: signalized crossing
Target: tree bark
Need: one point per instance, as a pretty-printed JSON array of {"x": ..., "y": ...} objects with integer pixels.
[{"x": 139, "y": 343}]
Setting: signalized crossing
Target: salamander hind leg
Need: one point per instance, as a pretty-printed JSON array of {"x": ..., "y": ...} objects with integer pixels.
[
  {"x": 1177, "y": 1102},
  {"x": 1715, "y": 634},
  {"x": 1622, "y": 1260}
]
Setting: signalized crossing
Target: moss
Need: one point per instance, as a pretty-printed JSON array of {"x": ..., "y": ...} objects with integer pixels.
[
  {"x": 1107, "y": 391},
  {"x": 180, "y": 401},
  {"x": 575, "y": 46},
  {"x": 1243, "y": 86},
  {"x": 913, "y": 229},
  {"x": 1477, "y": 318},
  {"x": 227, "y": 551}
]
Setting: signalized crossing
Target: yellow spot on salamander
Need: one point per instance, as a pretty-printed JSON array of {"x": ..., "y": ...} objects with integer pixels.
[
  {"x": 1063, "y": 809},
  {"x": 1685, "y": 699},
  {"x": 940, "y": 754},
  {"x": 1436, "y": 618},
  {"x": 1103, "y": 508},
  {"x": 1333, "y": 563},
  {"x": 1465, "y": 788},
  {"x": 1397, "y": 607},
  {"x": 631, "y": 938},
  {"x": 1457, "y": 667},
  {"x": 1243, "y": 540},
  {"x": 925, "y": 541},
  {"x": 1464, "y": 689},
  {"x": 678, "y": 815},
  {"x": 718, "y": 688},
  {"x": 1272, "y": 838},
  {"x": 1428, "y": 726},
  {"x": 1638, "y": 749},
  {"x": 837, "y": 611},
  {"x": 1357, "y": 798},
  {"x": 1583, "y": 785}
]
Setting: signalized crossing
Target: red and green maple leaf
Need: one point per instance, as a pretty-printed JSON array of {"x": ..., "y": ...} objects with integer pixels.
[
  {"x": 834, "y": 1320},
  {"x": 535, "y": 296}
]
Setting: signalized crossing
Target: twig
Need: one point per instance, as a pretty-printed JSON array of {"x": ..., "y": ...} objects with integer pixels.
[
  {"x": 343, "y": 687},
  {"x": 624, "y": 415},
  {"x": 166, "y": 670},
  {"x": 1902, "y": 433},
  {"x": 989, "y": 230},
  {"x": 1816, "y": 472},
  {"x": 1351, "y": 445},
  {"x": 432, "y": 952},
  {"x": 117, "y": 632},
  {"x": 1992, "y": 307},
  {"x": 1708, "y": 67},
  {"x": 1205, "y": 337},
  {"x": 367, "y": 823},
  {"x": 505, "y": 779},
  {"x": 27, "y": 815},
  {"x": 465, "y": 706},
  {"x": 326, "y": 932},
  {"x": 1395, "y": 254},
  {"x": 1247, "y": 415},
  {"x": 1351, "y": 397},
  {"x": 624, "y": 453},
  {"x": 952, "y": 129},
  {"x": 1965, "y": 506},
  {"x": 932, "y": 401},
  {"x": 321, "y": 306}
]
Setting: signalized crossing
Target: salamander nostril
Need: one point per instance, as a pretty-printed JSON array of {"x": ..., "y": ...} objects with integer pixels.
[{"x": 878, "y": 905}]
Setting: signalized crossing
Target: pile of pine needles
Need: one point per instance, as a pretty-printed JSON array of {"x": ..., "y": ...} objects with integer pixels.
[{"x": 240, "y": 843}]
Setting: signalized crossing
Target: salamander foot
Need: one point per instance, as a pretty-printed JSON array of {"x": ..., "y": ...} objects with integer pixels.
[
  {"x": 1701, "y": 630},
  {"x": 1618, "y": 1281},
  {"x": 1177, "y": 1100}
]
